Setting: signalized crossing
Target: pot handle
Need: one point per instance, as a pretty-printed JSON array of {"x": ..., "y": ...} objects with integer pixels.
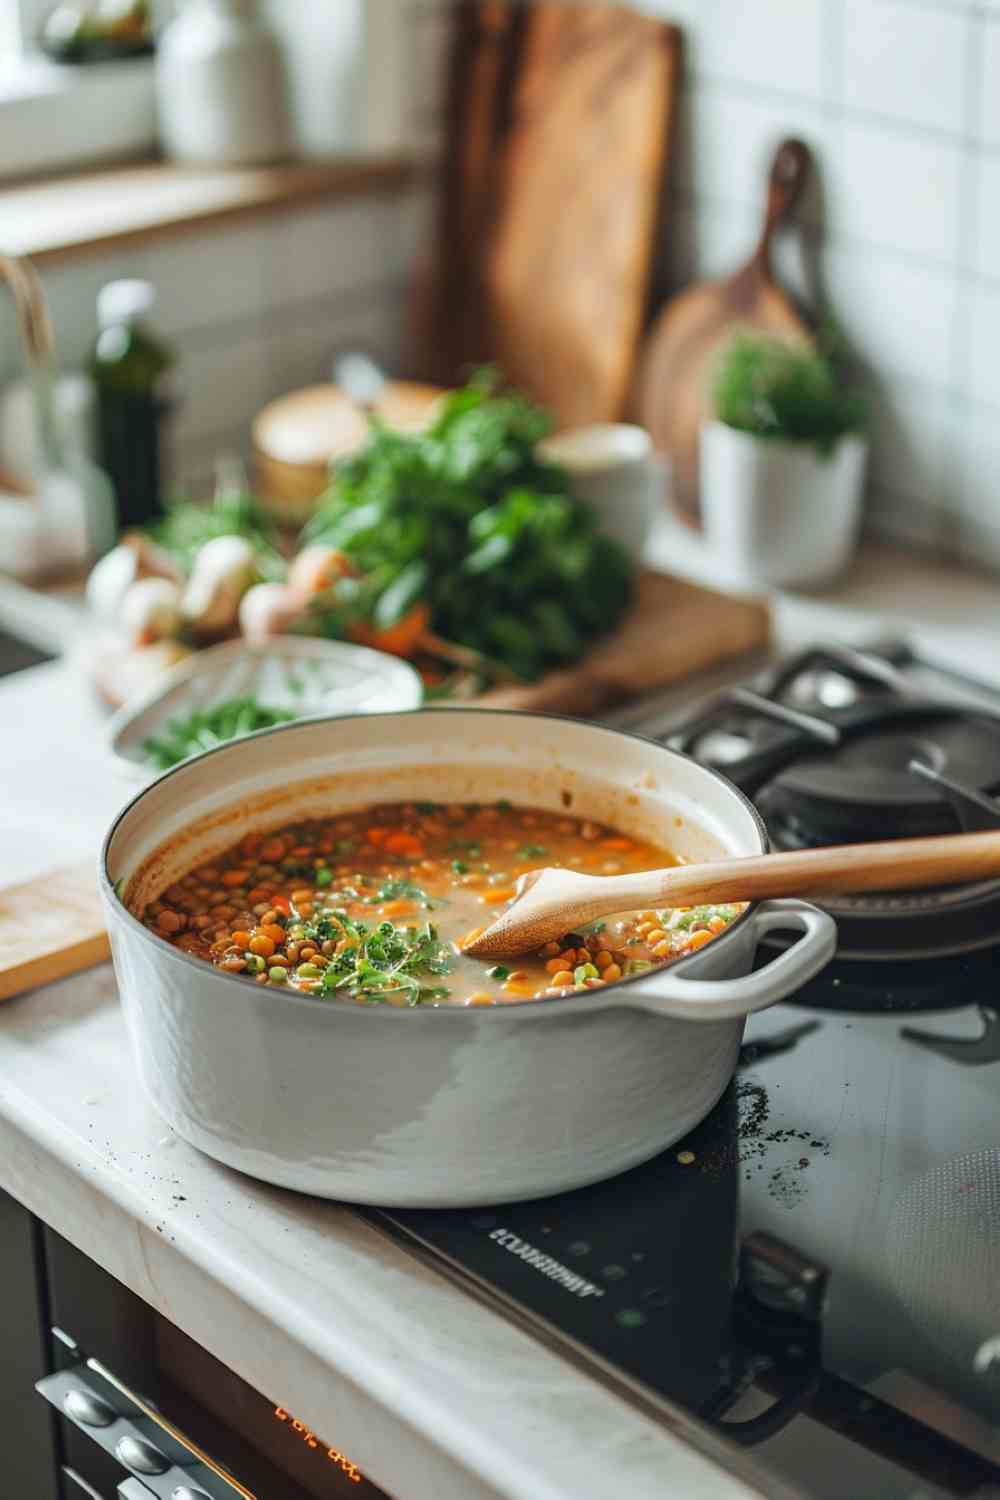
[{"x": 729, "y": 999}]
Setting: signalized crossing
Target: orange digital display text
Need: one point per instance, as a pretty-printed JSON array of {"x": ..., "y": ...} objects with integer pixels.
[{"x": 310, "y": 1439}]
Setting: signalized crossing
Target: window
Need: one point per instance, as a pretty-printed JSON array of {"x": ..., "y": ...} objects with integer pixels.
[{"x": 55, "y": 116}]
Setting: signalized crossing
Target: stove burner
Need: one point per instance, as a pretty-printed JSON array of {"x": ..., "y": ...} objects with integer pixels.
[
  {"x": 843, "y": 746},
  {"x": 864, "y": 788}
]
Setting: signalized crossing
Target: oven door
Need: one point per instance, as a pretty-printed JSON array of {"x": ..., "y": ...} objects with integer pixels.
[{"x": 145, "y": 1411}]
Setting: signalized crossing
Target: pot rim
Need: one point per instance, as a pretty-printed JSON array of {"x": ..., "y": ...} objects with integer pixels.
[{"x": 589, "y": 1001}]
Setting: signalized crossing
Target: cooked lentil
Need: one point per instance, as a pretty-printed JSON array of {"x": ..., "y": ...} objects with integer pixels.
[{"x": 374, "y": 906}]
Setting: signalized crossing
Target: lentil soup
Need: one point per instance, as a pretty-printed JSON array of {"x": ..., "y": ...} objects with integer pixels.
[{"x": 374, "y": 906}]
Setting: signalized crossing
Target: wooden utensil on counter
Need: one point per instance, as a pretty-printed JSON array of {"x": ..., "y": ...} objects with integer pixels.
[
  {"x": 671, "y": 394},
  {"x": 551, "y": 903},
  {"x": 50, "y": 927},
  {"x": 559, "y": 118}
]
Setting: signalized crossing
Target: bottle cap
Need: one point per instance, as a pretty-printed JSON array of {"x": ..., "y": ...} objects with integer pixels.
[{"x": 121, "y": 301}]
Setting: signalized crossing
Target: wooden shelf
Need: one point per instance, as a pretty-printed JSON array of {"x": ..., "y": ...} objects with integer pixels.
[{"x": 64, "y": 218}]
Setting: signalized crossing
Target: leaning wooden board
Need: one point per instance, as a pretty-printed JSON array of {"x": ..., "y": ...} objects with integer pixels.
[{"x": 50, "y": 927}]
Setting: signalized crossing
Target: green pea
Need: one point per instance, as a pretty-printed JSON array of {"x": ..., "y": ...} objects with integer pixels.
[
  {"x": 308, "y": 971},
  {"x": 585, "y": 971},
  {"x": 254, "y": 963},
  {"x": 324, "y": 877},
  {"x": 277, "y": 975}
]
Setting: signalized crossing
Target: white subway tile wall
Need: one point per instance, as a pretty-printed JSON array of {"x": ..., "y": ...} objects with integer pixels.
[
  {"x": 253, "y": 311},
  {"x": 900, "y": 100}
]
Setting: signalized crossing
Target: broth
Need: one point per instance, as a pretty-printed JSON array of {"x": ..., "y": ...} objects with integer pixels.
[{"x": 374, "y": 905}]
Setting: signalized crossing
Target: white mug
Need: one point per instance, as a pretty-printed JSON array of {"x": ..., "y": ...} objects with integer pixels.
[{"x": 612, "y": 467}]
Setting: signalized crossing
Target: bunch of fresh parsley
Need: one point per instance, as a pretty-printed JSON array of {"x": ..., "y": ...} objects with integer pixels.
[{"x": 468, "y": 519}]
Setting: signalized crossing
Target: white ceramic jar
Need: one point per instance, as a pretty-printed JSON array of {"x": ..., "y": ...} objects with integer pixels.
[
  {"x": 781, "y": 513},
  {"x": 220, "y": 86}
]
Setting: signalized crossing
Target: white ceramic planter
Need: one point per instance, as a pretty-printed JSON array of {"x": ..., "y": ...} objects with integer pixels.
[
  {"x": 446, "y": 1106},
  {"x": 781, "y": 513}
]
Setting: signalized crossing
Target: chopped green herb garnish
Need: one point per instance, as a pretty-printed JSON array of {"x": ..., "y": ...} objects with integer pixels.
[
  {"x": 345, "y": 846},
  {"x": 471, "y": 848},
  {"x": 591, "y": 929},
  {"x": 532, "y": 851},
  {"x": 426, "y": 807},
  {"x": 400, "y": 890},
  {"x": 388, "y": 960},
  {"x": 206, "y": 728},
  {"x": 324, "y": 877},
  {"x": 504, "y": 806},
  {"x": 460, "y": 867},
  {"x": 498, "y": 972}
]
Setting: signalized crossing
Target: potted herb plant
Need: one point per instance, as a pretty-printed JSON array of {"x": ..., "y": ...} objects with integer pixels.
[{"x": 782, "y": 463}]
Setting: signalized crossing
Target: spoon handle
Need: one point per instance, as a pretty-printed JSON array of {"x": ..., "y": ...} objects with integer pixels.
[{"x": 898, "y": 864}]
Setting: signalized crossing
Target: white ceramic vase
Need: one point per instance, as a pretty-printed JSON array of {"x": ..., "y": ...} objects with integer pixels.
[
  {"x": 220, "y": 86},
  {"x": 781, "y": 513}
]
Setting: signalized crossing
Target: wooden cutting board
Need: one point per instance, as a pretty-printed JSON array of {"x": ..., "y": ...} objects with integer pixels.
[
  {"x": 674, "y": 630},
  {"x": 559, "y": 118},
  {"x": 50, "y": 927},
  {"x": 672, "y": 396}
]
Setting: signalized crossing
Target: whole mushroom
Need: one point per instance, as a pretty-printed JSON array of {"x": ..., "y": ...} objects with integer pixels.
[
  {"x": 267, "y": 610},
  {"x": 150, "y": 611},
  {"x": 224, "y": 569}
]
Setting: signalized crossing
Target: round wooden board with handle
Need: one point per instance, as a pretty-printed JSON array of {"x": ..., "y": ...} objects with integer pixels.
[{"x": 672, "y": 391}]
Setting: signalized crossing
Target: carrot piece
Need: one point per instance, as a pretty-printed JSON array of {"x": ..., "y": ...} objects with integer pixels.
[
  {"x": 497, "y": 895},
  {"x": 401, "y": 639},
  {"x": 282, "y": 904},
  {"x": 699, "y": 939},
  {"x": 235, "y": 877},
  {"x": 272, "y": 850},
  {"x": 397, "y": 909},
  {"x": 401, "y": 842},
  {"x": 616, "y": 843},
  {"x": 377, "y": 836}
]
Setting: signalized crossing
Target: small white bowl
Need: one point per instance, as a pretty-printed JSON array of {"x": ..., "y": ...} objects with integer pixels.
[
  {"x": 309, "y": 676},
  {"x": 613, "y": 467}
]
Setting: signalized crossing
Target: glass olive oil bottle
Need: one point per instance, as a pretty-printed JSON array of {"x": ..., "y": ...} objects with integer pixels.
[{"x": 131, "y": 368}]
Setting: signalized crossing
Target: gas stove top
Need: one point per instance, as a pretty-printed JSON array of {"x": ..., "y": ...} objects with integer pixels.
[
  {"x": 815, "y": 1271},
  {"x": 841, "y": 746}
]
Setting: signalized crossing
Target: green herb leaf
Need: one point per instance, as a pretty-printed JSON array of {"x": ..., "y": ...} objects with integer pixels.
[
  {"x": 460, "y": 867},
  {"x": 532, "y": 851},
  {"x": 206, "y": 728},
  {"x": 498, "y": 972},
  {"x": 387, "y": 961}
]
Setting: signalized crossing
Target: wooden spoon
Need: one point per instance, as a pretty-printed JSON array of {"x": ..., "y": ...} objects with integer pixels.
[{"x": 551, "y": 903}]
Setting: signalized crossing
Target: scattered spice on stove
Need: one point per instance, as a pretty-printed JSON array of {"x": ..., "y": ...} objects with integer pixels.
[{"x": 686, "y": 1158}]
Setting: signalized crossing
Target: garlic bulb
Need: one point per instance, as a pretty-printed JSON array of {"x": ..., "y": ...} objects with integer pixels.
[
  {"x": 224, "y": 569},
  {"x": 150, "y": 611},
  {"x": 267, "y": 610},
  {"x": 318, "y": 568}
]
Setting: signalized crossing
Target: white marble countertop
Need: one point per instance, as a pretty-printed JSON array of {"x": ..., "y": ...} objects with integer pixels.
[{"x": 430, "y": 1392}]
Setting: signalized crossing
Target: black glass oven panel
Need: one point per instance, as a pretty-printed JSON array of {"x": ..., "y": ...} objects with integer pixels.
[{"x": 264, "y": 1446}]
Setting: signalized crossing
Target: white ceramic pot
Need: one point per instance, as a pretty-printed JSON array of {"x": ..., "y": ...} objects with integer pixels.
[
  {"x": 781, "y": 513},
  {"x": 439, "y": 1107}
]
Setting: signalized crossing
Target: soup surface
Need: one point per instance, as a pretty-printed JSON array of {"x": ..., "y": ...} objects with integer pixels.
[{"x": 373, "y": 906}]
